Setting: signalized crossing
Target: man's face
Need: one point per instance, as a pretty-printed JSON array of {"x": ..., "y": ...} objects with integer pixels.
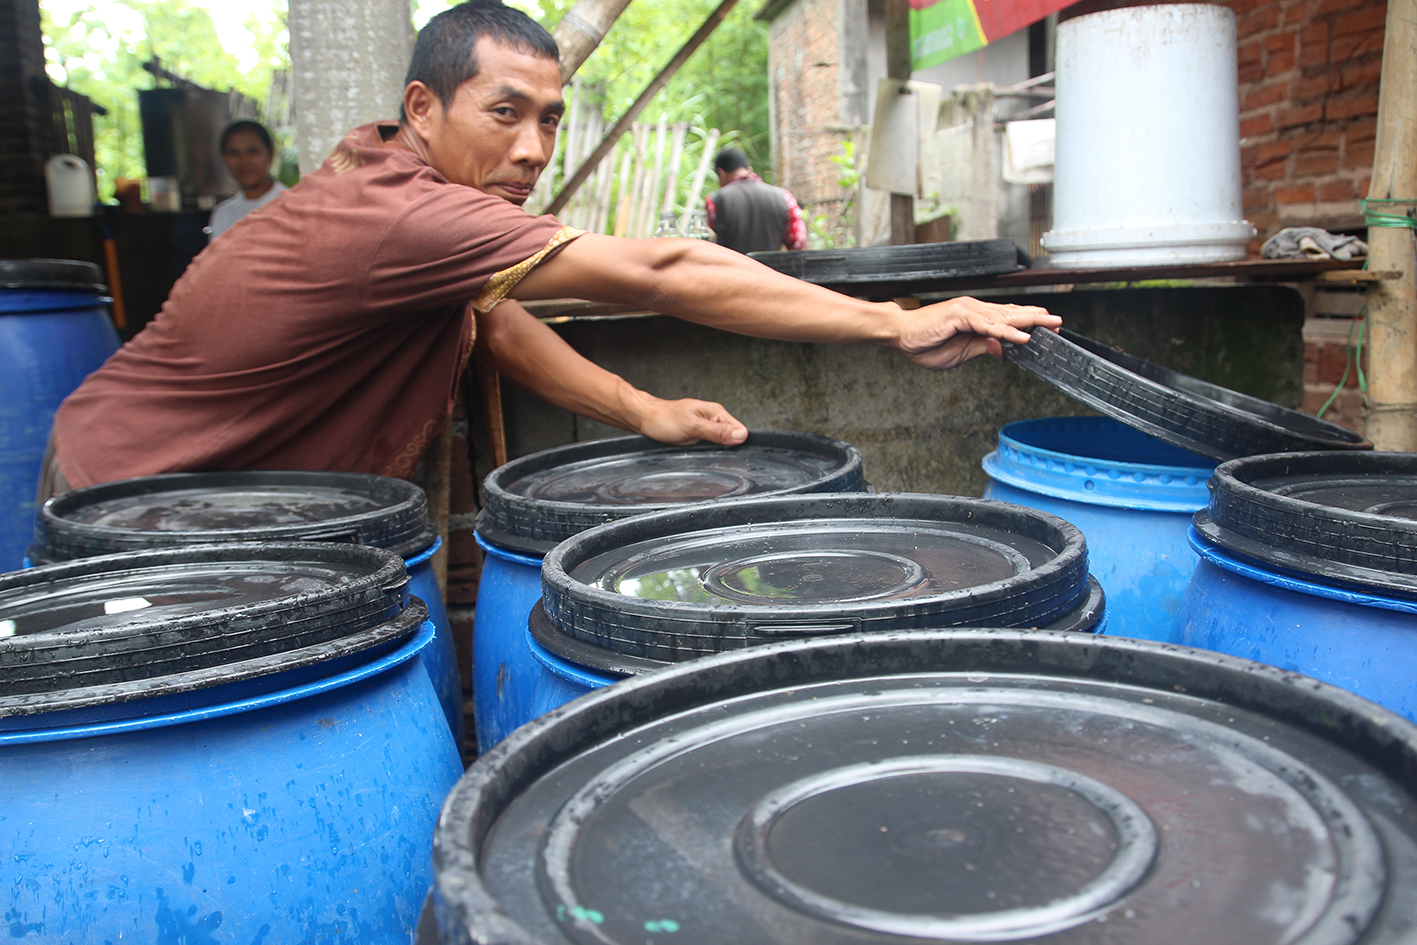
[{"x": 500, "y": 129}]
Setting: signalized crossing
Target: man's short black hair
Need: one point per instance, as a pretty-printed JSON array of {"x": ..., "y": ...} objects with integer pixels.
[
  {"x": 445, "y": 55},
  {"x": 246, "y": 124},
  {"x": 730, "y": 160}
]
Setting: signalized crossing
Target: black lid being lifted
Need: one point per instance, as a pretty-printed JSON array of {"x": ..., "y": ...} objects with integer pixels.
[
  {"x": 947, "y": 785},
  {"x": 255, "y": 505},
  {"x": 679, "y": 584},
  {"x": 65, "y": 275},
  {"x": 536, "y": 502},
  {"x": 1195, "y": 415},
  {"x": 1346, "y": 517},
  {"x": 123, "y": 626}
]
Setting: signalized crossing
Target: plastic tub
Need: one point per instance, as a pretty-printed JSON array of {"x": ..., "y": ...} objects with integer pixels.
[
  {"x": 54, "y": 332},
  {"x": 255, "y": 755},
  {"x": 535, "y": 502},
  {"x": 184, "y": 509},
  {"x": 1133, "y": 497},
  {"x": 945, "y": 785}
]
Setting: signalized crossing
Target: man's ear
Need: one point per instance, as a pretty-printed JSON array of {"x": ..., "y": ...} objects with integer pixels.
[{"x": 419, "y": 104}]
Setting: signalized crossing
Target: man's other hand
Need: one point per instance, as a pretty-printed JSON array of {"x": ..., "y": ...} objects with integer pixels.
[
  {"x": 949, "y": 333},
  {"x": 687, "y": 421}
]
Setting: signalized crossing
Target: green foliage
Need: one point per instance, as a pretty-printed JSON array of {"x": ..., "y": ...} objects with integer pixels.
[
  {"x": 98, "y": 49},
  {"x": 822, "y": 231}
]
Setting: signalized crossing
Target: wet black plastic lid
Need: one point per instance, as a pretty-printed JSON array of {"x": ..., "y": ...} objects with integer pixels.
[
  {"x": 1345, "y": 517},
  {"x": 258, "y": 505},
  {"x": 1195, "y": 415},
  {"x": 702, "y": 579},
  {"x": 66, "y": 275},
  {"x": 143, "y": 616},
  {"x": 951, "y": 785},
  {"x": 862, "y": 267},
  {"x": 534, "y": 503}
]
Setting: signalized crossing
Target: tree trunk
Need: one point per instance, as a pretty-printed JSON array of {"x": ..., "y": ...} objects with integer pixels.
[{"x": 582, "y": 29}]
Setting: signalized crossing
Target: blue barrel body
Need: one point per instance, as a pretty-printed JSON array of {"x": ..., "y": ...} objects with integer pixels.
[
  {"x": 298, "y": 808},
  {"x": 441, "y": 655},
  {"x": 1130, "y": 494},
  {"x": 49, "y": 342},
  {"x": 1356, "y": 640},
  {"x": 558, "y": 681},
  {"x": 503, "y": 669}
]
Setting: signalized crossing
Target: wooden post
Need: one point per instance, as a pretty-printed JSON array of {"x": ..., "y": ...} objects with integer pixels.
[
  {"x": 898, "y": 67},
  {"x": 1392, "y": 305},
  {"x": 581, "y": 30},
  {"x": 697, "y": 188},
  {"x": 651, "y": 90}
]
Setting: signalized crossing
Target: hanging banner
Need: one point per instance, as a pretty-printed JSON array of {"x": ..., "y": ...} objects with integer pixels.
[{"x": 940, "y": 30}]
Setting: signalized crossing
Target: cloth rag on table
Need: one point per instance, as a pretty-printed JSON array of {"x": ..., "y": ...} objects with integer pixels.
[{"x": 1312, "y": 242}]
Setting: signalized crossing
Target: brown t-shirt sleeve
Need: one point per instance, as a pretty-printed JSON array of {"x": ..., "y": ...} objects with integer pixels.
[{"x": 457, "y": 244}]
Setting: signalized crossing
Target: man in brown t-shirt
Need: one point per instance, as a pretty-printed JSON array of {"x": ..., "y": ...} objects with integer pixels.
[{"x": 327, "y": 329}]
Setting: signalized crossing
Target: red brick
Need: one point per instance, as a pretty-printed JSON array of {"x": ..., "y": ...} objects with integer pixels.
[
  {"x": 1313, "y": 54},
  {"x": 1268, "y": 151},
  {"x": 1365, "y": 184},
  {"x": 1360, "y": 22},
  {"x": 1314, "y": 34},
  {"x": 1299, "y": 115},
  {"x": 1361, "y": 73},
  {"x": 1257, "y": 22},
  {"x": 1315, "y": 86},
  {"x": 1250, "y": 72},
  {"x": 1280, "y": 42},
  {"x": 1250, "y": 53},
  {"x": 1294, "y": 193},
  {"x": 1365, "y": 129},
  {"x": 1281, "y": 63},
  {"x": 1268, "y": 95},
  {"x": 1273, "y": 170},
  {"x": 1352, "y": 106},
  {"x": 1338, "y": 190},
  {"x": 1294, "y": 13},
  {"x": 1329, "y": 7},
  {"x": 1316, "y": 162},
  {"x": 1241, "y": 7},
  {"x": 1263, "y": 220},
  {"x": 1359, "y": 155},
  {"x": 1258, "y": 125}
]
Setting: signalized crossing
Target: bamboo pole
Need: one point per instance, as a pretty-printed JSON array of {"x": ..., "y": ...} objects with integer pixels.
[
  {"x": 676, "y": 154},
  {"x": 581, "y": 29},
  {"x": 652, "y": 196},
  {"x": 651, "y": 90},
  {"x": 602, "y": 201},
  {"x": 692, "y": 204},
  {"x": 1392, "y": 304},
  {"x": 622, "y": 210}
]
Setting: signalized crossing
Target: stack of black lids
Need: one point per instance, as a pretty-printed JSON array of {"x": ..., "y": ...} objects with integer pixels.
[
  {"x": 889, "y": 271},
  {"x": 1344, "y": 517},
  {"x": 534, "y": 503},
  {"x": 54, "y": 275},
  {"x": 942, "y": 786},
  {"x": 257, "y": 505},
  {"x": 122, "y": 627},
  {"x": 684, "y": 583},
  {"x": 1203, "y": 418}
]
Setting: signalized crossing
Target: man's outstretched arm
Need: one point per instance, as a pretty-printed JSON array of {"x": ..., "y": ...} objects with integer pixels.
[
  {"x": 528, "y": 352},
  {"x": 710, "y": 285}
]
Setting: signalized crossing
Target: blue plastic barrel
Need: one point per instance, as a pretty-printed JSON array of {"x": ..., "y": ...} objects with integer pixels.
[
  {"x": 1131, "y": 495},
  {"x": 54, "y": 332},
  {"x": 1358, "y": 640},
  {"x": 183, "y": 509},
  {"x": 534, "y": 502},
  {"x": 274, "y": 789}
]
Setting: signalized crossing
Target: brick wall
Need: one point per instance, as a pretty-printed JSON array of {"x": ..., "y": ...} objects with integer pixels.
[
  {"x": 1309, "y": 72},
  {"x": 24, "y": 109},
  {"x": 803, "y": 56}
]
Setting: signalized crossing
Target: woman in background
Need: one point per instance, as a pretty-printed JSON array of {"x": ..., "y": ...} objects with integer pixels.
[{"x": 247, "y": 150}]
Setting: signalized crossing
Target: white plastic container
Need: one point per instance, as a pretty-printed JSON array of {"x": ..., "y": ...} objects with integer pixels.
[
  {"x": 1148, "y": 147},
  {"x": 70, "y": 185}
]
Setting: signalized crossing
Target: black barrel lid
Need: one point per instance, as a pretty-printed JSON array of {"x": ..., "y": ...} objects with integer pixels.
[
  {"x": 1346, "y": 517},
  {"x": 944, "y": 785},
  {"x": 881, "y": 271},
  {"x": 1195, "y": 415},
  {"x": 100, "y": 621},
  {"x": 682, "y": 583},
  {"x": 67, "y": 275},
  {"x": 255, "y": 505},
  {"x": 534, "y": 503}
]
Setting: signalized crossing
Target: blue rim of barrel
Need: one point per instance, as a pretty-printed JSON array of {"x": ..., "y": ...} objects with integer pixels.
[
  {"x": 359, "y": 509},
  {"x": 206, "y": 693},
  {"x": 530, "y": 524},
  {"x": 1257, "y": 509},
  {"x": 1291, "y": 721},
  {"x": 134, "y": 623},
  {"x": 802, "y": 532},
  {"x": 1163, "y": 478},
  {"x": 1186, "y": 412}
]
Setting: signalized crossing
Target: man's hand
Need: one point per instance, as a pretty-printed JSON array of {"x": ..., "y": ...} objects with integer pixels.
[
  {"x": 949, "y": 333},
  {"x": 687, "y": 421}
]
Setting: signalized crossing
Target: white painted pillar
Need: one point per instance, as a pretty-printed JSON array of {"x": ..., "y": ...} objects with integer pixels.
[{"x": 349, "y": 58}]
